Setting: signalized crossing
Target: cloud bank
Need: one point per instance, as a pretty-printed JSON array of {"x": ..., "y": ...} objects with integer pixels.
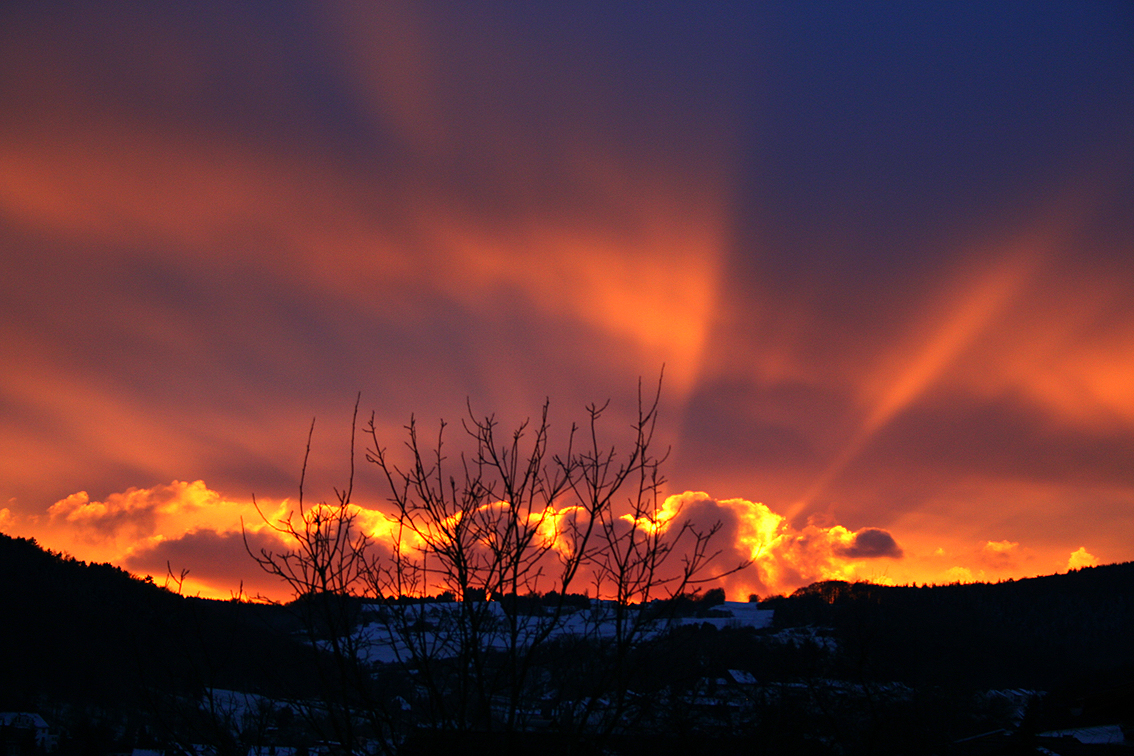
[
  {"x": 166, "y": 529},
  {"x": 188, "y": 526}
]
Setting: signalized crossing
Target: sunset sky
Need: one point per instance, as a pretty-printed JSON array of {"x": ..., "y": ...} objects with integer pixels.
[{"x": 885, "y": 253}]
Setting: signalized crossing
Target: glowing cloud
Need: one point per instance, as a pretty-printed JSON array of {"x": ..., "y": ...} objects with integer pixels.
[
  {"x": 188, "y": 525},
  {"x": 782, "y": 558},
  {"x": 959, "y": 575},
  {"x": 1081, "y": 558}
]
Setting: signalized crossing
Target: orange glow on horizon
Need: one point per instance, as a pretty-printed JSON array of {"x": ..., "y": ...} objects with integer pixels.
[{"x": 141, "y": 529}]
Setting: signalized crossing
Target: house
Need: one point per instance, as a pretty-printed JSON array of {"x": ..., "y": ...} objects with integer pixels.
[{"x": 16, "y": 726}]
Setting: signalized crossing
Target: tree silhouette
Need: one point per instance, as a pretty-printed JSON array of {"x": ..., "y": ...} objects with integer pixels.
[{"x": 517, "y": 531}]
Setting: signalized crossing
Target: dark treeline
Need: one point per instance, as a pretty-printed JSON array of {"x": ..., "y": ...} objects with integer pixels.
[
  {"x": 1045, "y": 632},
  {"x": 90, "y": 633}
]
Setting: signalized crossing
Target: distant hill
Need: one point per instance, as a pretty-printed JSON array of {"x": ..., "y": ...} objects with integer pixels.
[
  {"x": 80, "y": 632},
  {"x": 1071, "y": 629}
]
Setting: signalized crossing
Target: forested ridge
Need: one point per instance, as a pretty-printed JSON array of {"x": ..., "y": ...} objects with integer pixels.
[
  {"x": 84, "y": 632},
  {"x": 1036, "y": 632}
]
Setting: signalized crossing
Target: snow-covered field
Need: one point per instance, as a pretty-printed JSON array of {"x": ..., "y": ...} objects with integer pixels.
[
  {"x": 387, "y": 633},
  {"x": 743, "y": 614}
]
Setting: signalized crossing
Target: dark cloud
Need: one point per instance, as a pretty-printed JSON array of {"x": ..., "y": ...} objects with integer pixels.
[
  {"x": 220, "y": 560},
  {"x": 1006, "y": 437},
  {"x": 871, "y": 543},
  {"x": 734, "y": 420}
]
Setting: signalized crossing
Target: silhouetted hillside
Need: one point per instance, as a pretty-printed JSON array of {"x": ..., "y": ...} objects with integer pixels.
[
  {"x": 1046, "y": 632},
  {"x": 846, "y": 668},
  {"x": 82, "y": 632}
]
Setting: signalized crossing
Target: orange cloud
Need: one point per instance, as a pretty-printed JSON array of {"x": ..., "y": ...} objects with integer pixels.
[
  {"x": 639, "y": 246},
  {"x": 140, "y": 528},
  {"x": 604, "y": 283},
  {"x": 189, "y": 526},
  {"x": 1000, "y": 554},
  {"x": 958, "y": 575},
  {"x": 1081, "y": 558},
  {"x": 783, "y": 558},
  {"x": 1065, "y": 350},
  {"x": 967, "y": 562},
  {"x": 627, "y": 285},
  {"x": 141, "y": 512}
]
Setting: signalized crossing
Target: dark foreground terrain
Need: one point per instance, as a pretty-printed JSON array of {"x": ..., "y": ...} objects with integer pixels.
[{"x": 100, "y": 662}]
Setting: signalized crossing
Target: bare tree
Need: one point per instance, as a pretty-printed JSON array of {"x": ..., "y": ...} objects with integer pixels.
[
  {"x": 510, "y": 532},
  {"x": 328, "y": 567}
]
